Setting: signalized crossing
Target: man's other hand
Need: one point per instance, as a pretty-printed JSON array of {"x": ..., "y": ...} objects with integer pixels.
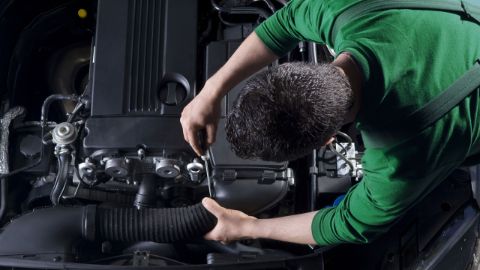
[{"x": 232, "y": 224}]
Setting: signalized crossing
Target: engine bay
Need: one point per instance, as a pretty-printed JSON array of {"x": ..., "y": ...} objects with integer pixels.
[
  {"x": 92, "y": 148},
  {"x": 111, "y": 150}
]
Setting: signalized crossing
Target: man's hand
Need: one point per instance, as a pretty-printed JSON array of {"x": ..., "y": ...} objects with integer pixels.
[
  {"x": 202, "y": 113},
  {"x": 232, "y": 224}
]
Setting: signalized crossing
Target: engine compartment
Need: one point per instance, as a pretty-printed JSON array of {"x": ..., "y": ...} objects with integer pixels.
[
  {"x": 95, "y": 170},
  {"x": 118, "y": 144}
]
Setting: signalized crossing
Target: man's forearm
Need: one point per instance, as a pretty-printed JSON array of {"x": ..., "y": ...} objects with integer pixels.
[
  {"x": 294, "y": 229},
  {"x": 251, "y": 56}
]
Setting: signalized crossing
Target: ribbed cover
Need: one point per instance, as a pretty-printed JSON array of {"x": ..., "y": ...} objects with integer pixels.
[
  {"x": 144, "y": 55},
  {"x": 158, "y": 225}
]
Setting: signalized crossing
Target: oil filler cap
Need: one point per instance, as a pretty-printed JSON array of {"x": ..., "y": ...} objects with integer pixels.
[{"x": 174, "y": 89}]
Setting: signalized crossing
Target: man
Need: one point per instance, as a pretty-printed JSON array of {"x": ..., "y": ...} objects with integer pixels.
[{"x": 389, "y": 64}]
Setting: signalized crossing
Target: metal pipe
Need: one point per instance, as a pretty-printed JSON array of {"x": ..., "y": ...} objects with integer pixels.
[
  {"x": 313, "y": 57},
  {"x": 313, "y": 182},
  {"x": 62, "y": 180},
  {"x": 3, "y": 198}
]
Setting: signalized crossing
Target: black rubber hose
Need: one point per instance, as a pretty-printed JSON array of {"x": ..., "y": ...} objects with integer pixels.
[
  {"x": 147, "y": 192},
  {"x": 3, "y": 198},
  {"x": 164, "y": 225},
  {"x": 62, "y": 180},
  {"x": 55, "y": 230}
]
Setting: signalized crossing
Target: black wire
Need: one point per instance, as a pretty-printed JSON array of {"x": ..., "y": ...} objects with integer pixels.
[
  {"x": 345, "y": 136},
  {"x": 220, "y": 17},
  {"x": 75, "y": 111},
  {"x": 350, "y": 164},
  {"x": 49, "y": 100},
  {"x": 217, "y": 7},
  {"x": 270, "y": 5},
  {"x": 345, "y": 151},
  {"x": 282, "y": 2},
  {"x": 241, "y": 10}
]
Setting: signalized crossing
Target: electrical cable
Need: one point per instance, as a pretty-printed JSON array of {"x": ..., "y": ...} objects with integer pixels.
[
  {"x": 350, "y": 164},
  {"x": 283, "y": 2},
  {"x": 270, "y": 5},
  {"x": 220, "y": 17},
  {"x": 345, "y": 136},
  {"x": 240, "y": 10},
  {"x": 75, "y": 111}
]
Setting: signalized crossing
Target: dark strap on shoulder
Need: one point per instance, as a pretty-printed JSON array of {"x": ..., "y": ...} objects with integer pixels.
[
  {"x": 398, "y": 129},
  {"x": 443, "y": 103},
  {"x": 469, "y": 10}
]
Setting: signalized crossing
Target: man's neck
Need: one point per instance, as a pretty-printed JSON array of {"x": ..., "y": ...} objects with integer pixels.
[{"x": 349, "y": 67}]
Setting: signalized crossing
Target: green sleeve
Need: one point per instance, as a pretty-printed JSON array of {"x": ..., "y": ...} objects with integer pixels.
[
  {"x": 297, "y": 21},
  {"x": 394, "y": 180},
  {"x": 366, "y": 210}
]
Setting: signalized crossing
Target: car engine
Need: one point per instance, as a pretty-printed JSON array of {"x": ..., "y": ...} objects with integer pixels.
[
  {"x": 108, "y": 151},
  {"x": 93, "y": 165}
]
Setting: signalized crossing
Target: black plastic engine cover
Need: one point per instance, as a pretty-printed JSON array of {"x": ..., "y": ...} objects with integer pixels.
[
  {"x": 142, "y": 75},
  {"x": 244, "y": 184},
  {"x": 217, "y": 53}
]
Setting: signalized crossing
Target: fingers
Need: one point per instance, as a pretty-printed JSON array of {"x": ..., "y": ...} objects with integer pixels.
[
  {"x": 184, "y": 122},
  {"x": 190, "y": 134},
  {"x": 184, "y": 130},
  {"x": 194, "y": 142},
  {"x": 200, "y": 115},
  {"x": 213, "y": 207},
  {"x": 210, "y": 236},
  {"x": 211, "y": 133}
]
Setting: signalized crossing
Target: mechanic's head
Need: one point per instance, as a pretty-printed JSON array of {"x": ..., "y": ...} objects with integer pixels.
[{"x": 285, "y": 112}]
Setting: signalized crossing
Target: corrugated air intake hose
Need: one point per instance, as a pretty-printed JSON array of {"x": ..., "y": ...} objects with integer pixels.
[
  {"x": 162, "y": 225},
  {"x": 56, "y": 229}
]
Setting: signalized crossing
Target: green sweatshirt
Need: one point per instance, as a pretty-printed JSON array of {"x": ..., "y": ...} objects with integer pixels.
[{"x": 407, "y": 57}]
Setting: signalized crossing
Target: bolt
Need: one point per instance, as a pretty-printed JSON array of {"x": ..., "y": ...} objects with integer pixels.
[
  {"x": 141, "y": 153},
  {"x": 63, "y": 130}
]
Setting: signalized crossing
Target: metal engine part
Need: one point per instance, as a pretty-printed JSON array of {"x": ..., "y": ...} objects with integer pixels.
[
  {"x": 117, "y": 167},
  {"x": 154, "y": 76},
  {"x": 87, "y": 167},
  {"x": 195, "y": 169},
  {"x": 167, "y": 168},
  {"x": 134, "y": 130},
  {"x": 64, "y": 134}
]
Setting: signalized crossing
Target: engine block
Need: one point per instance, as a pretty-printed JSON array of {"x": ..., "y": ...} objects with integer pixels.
[{"x": 143, "y": 74}]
